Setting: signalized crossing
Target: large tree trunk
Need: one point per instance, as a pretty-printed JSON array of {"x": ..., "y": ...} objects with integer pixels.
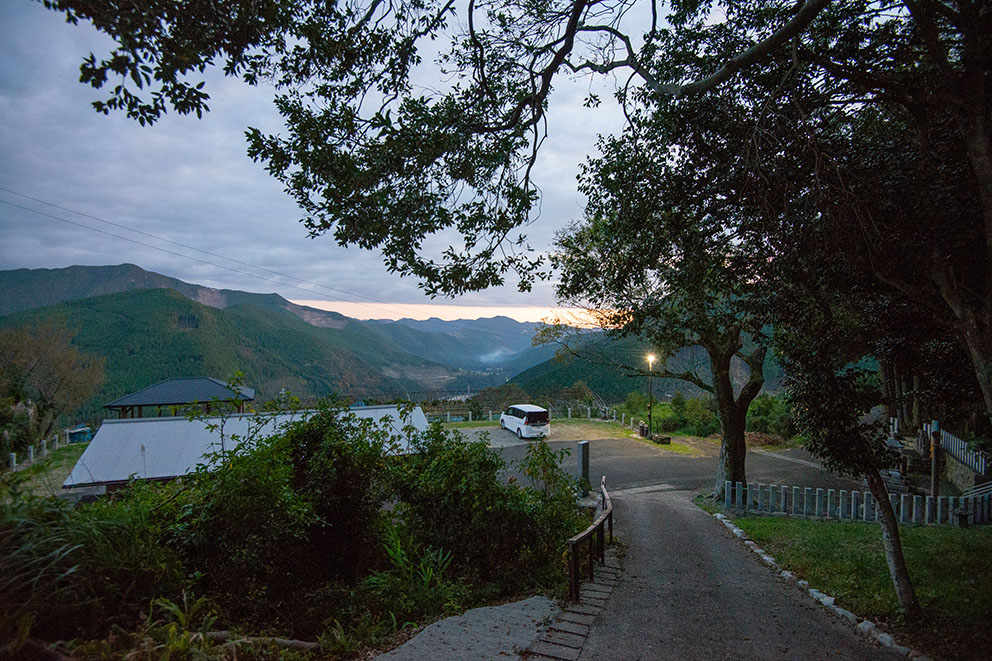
[
  {"x": 733, "y": 411},
  {"x": 892, "y": 545}
]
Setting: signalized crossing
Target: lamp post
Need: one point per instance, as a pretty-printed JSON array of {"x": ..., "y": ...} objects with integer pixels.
[{"x": 650, "y": 394}]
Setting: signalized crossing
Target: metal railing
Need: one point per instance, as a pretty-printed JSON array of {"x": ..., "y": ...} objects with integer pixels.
[
  {"x": 597, "y": 543},
  {"x": 956, "y": 447}
]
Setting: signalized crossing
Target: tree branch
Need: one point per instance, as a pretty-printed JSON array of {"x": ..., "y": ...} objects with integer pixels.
[{"x": 804, "y": 16}]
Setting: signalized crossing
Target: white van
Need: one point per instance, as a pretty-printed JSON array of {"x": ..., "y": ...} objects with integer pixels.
[{"x": 527, "y": 420}]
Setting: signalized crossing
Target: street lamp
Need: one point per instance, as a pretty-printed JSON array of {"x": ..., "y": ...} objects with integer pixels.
[{"x": 650, "y": 398}]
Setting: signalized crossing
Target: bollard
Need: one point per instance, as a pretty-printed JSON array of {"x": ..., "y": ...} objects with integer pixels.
[
  {"x": 569, "y": 412},
  {"x": 583, "y": 457},
  {"x": 470, "y": 416},
  {"x": 727, "y": 495},
  {"x": 30, "y": 454},
  {"x": 44, "y": 447},
  {"x": 588, "y": 413},
  {"x": 13, "y": 462},
  {"x": 449, "y": 415},
  {"x": 490, "y": 415}
]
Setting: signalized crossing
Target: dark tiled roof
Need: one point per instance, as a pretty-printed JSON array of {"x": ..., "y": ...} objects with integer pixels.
[{"x": 182, "y": 391}]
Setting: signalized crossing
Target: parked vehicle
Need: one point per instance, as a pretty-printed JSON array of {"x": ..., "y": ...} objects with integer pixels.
[{"x": 527, "y": 420}]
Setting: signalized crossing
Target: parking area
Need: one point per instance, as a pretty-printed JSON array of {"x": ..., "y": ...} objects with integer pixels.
[{"x": 629, "y": 462}]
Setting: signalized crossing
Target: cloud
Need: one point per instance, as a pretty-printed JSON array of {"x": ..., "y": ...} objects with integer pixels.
[{"x": 190, "y": 181}]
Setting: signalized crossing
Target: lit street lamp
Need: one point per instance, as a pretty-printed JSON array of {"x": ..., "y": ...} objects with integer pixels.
[{"x": 650, "y": 398}]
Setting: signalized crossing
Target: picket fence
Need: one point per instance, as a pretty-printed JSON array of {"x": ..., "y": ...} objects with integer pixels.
[
  {"x": 954, "y": 446},
  {"x": 855, "y": 505}
]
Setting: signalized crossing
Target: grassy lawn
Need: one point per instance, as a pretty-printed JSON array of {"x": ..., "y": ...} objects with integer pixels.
[
  {"x": 950, "y": 569},
  {"x": 674, "y": 447},
  {"x": 45, "y": 477},
  {"x": 466, "y": 424}
]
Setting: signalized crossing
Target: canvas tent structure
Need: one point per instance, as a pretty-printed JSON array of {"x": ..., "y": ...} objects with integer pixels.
[
  {"x": 167, "y": 448},
  {"x": 181, "y": 393}
]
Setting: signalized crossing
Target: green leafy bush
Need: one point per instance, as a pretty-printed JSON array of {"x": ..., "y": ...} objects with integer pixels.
[
  {"x": 453, "y": 497},
  {"x": 770, "y": 415},
  {"x": 75, "y": 571}
]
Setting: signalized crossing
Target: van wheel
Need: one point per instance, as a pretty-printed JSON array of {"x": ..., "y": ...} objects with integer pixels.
[{"x": 519, "y": 435}]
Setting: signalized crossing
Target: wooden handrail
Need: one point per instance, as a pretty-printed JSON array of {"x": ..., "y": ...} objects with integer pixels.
[{"x": 595, "y": 555}]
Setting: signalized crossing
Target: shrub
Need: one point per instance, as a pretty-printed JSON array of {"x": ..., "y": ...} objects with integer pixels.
[
  {"x": 286, "y": 515},
  {"x": 453, "y": 498},
  {"x": 770, "y": 415},
  {"x": 76, "y": 571}
]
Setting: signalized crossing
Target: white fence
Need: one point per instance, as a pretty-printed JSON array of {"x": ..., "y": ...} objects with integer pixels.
[
  {"x": 853, "y": 505},
  {"x": 954, "y": 446}
]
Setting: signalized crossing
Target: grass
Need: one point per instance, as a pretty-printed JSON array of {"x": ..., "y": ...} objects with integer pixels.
[
  {"x": 949, "y": 568},
  {"x": 467, "y": 424},
  {"x": 673, "y": 447},
  {"x": 45, "y": 477}
]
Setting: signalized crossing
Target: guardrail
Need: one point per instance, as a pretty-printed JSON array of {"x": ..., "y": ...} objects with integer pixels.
[{"x": 597, "y": 544}]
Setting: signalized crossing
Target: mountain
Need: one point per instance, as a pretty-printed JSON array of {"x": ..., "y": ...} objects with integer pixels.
[
  {"x": 26, "y": 289},
  {"x": 473, "y": 344},
  {"x": 150, "y": 335},
  {"x": 498, "y": 347}
]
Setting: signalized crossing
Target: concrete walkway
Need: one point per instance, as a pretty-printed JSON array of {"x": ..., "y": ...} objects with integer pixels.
[{"x": 689, "y": 590}]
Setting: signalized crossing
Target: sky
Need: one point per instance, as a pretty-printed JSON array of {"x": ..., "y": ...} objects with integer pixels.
[{"x": 183, "y": 199}]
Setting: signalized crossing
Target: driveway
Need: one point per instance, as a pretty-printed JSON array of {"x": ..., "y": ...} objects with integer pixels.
[
  {"x": 689, "y": 590},
  {"x": 631, "y": 462}
]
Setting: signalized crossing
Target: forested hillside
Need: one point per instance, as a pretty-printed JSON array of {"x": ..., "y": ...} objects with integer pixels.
[{"x": 150, "y": 335}]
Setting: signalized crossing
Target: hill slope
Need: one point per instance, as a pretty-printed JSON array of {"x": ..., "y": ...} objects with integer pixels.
[{"x": 149, "y": 335}]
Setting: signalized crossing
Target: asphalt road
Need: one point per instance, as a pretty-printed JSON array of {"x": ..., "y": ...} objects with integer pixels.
[
  {"x": 629, "y": 463},
  {"x": 689, "y": 590}
]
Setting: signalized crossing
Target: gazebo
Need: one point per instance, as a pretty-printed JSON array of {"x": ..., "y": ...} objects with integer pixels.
[{"x": 173, "y": 395}]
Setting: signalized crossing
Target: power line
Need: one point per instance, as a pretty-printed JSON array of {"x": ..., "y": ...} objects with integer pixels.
[{"x": 402, "y": 306}]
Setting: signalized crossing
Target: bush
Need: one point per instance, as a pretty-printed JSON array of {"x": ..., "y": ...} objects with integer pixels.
[
  {"x": 286, "y": 515},
  {"x": 76, "y": 571},
  {"x": 770, "y": 415},
  {"x": 453, "y": 498}
]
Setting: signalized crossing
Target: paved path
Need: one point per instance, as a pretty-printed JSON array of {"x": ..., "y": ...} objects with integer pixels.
[{"x": 689, "y": 590}]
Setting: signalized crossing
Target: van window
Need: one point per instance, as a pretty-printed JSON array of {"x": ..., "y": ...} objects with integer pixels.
[{"x": 537, "y": 418}]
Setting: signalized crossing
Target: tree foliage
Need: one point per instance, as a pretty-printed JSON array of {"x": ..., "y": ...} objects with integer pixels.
[{"x": 42, "y": 376}]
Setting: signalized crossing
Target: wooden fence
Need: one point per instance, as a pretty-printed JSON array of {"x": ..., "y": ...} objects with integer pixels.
[
  {"x": 954, "y": 446},
  {"x": 854, "y": 505},
  {"x": 596, "y": 537}
]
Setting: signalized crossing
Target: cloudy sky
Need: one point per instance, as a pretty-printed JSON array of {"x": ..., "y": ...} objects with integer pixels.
[{"x": 181, "y": 198}]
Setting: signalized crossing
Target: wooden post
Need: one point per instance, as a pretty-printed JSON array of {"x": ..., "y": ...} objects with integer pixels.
[
  {"x": 934, "y": 459},
  {"x": 795, "y": 501},
  {"x": 13, "y": 462},
  {"x": 727, "y": 495},
  {"x": 772, "y": 493},
  {"x": 761, "y": 498},
  {"x": 785, "y": 495}
]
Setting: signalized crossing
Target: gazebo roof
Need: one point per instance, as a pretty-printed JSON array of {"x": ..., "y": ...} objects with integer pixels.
[{"x": 186, "y": 390}]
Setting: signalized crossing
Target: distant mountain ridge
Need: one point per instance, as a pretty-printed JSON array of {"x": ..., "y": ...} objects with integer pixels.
[
  {"x": 400, "y": 357},
  {"x": 27, "y": 289}
]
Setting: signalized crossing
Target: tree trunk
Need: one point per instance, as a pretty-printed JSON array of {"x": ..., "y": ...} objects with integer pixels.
[
  {"x": 733, "y": 412},
  {"x": 893, "y": 545}
]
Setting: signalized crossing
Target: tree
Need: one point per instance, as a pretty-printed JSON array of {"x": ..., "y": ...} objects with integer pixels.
[
  {"x": 653, "y": 259},
  {"x": 380, "y": 163},
  {"x": 42, "y": 370}
]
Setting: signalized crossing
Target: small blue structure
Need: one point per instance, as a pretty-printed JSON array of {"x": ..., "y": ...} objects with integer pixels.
[{"x": 80, "y": 434}]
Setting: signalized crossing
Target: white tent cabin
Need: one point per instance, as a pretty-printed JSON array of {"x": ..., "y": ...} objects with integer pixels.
[{"x": 167, "y": 448}]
